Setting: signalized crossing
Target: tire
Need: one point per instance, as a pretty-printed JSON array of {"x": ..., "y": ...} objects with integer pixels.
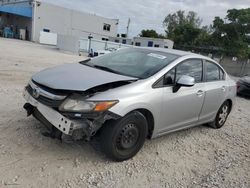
[
  {"x": 221, "y": 116},
  {"x": 121, "y": 140}
]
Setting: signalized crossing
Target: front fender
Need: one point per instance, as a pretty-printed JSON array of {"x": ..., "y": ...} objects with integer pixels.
[{"x": 123, "y": 109}]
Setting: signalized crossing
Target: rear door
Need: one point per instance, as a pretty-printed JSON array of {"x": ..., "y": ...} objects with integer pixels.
[{"x": 215, "y": 91}]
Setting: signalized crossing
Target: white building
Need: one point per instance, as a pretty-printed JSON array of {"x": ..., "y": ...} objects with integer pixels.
[
  {"x": 144, "y": 42},
  {"x": 36, "y": 16},
  {"x": 121, "y": 40},
  {"x": 153, "y": 42}
]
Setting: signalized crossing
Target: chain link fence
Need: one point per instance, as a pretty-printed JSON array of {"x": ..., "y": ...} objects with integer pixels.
[
  {"x": 236, "y": 68},
  {"x": 85, "y": 45}
]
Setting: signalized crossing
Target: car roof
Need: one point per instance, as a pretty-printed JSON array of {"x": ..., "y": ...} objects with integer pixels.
[
  {"x": 179, "y": 53},
  {"x": 167, "y": 50},
  {"x": 176, "y": 52}
]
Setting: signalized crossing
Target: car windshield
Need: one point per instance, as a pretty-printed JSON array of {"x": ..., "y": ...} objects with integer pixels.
[{"x": 134, "y": 62}]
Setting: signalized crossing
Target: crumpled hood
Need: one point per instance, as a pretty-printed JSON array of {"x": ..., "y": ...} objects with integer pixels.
[{"x": 76, "y": 77}]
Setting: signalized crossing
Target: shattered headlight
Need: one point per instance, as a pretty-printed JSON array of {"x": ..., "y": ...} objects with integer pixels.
[{"x": 77, "y": 103}]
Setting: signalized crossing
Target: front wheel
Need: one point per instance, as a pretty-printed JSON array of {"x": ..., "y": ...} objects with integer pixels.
[
  {"x": 122, "y": 139},
  {"x": 221, "y": 116}
]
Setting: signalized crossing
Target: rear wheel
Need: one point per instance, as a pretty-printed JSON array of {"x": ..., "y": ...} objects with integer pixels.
[
  {"x": 221, "y": 116},
  {"x": 122, "y": 139}
]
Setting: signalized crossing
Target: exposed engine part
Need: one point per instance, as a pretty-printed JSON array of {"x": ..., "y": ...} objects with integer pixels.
[
  {"x": 53, "y": 133},
  {"x": 67, "y": 139},
  {"x": 82, "y": 128},
  {"x": 78, "y": 134},
  {"x": 29, "y": 108},
  {"x": 98, "y": 123},
  {"x": 86, "y": 128}
]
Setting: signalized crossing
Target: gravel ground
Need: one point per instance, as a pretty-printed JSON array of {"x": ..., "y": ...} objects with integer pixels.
[{"x": 197, "y": 157}]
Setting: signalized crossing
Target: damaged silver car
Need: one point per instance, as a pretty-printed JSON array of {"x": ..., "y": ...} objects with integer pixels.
[{"x": 130, "y": 95}]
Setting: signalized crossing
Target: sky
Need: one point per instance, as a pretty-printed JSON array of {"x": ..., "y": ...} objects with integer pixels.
[{"x": 149, "y": 14}]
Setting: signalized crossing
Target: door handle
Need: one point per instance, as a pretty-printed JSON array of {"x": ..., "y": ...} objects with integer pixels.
[
  {"x": 200, "y": 93},
  {"x": 223, "y": 88}
]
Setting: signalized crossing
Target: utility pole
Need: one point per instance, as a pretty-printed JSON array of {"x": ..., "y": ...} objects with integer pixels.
[
  {"x": 33, "y": 34},
  {"x": 89, "y": 41},
  {"x": 128, "y": 28}
]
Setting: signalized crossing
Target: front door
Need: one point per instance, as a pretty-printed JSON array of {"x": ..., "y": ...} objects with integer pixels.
[{"x": 182, "y": 109}]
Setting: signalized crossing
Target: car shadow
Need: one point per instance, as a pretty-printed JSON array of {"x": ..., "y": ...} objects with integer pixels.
[
  {"x": 243, "y": 96},
  {"x": 92, "y": 151},
  {"x": 46, "y": 147}
]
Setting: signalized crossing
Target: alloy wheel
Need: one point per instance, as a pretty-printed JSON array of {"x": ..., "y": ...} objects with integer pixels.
[{"x": 223, "y": 115}]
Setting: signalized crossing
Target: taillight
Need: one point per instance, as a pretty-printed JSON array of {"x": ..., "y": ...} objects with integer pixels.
[{"x": 238, "y": 86}]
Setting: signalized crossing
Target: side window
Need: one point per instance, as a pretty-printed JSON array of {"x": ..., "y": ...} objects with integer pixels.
[
  {"x": 192, "y": 67},
  {"x": 213, "y": 72},
  {"x": 169, "y": 78}
]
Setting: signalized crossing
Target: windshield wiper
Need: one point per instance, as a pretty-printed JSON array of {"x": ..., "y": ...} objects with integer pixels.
[
  {"x": 98, "y": 67},
  {"x": 106, "y": 69},
  {"x": 84, "y": 61}
]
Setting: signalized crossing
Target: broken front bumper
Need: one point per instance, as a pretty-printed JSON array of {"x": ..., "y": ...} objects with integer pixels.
[
  {"x": 62, "y": 123},
  {"x": 85, "y": 126}
]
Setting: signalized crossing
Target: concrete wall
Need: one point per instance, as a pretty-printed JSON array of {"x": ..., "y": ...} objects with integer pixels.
[
  {"x": 69, "y": 22},
  {"x": 48, "y": 38},
  {"x": 68, "y": 43}
]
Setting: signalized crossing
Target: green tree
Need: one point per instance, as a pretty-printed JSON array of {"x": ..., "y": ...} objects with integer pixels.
[
  {"x": 233, "y": 34},
  {"x": 150, "y": 33},
  {"x": 204, "y": 38},
  {"x": 230, "y": 36},
  {"x": 182, "y": 28}
]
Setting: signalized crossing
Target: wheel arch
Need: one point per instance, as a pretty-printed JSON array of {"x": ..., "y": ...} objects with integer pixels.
[
  {"x": 230, "y": 104},
  {"x": 150, "y": 120}
]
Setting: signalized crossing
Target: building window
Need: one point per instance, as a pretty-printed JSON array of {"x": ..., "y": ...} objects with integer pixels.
[
  {"x": 138, "y": 44},
  {"x": 165, "y": 46},
  {"x": 46, "y": 30},
  {"x": 105, "y": 39},
  {"x": 124, "y": 41},
  {"x": 150, "y": 43},
  {"x": 117, "y": 41},
  {"x": 106, "y": 27},
  {"x": 157, "y": 45}
]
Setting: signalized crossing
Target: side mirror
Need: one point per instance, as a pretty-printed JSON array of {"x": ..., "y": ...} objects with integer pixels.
[{"x": 184, "y": 81}]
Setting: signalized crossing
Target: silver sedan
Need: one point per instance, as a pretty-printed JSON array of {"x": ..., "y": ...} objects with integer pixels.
[{"x": 130, "y": 95}]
